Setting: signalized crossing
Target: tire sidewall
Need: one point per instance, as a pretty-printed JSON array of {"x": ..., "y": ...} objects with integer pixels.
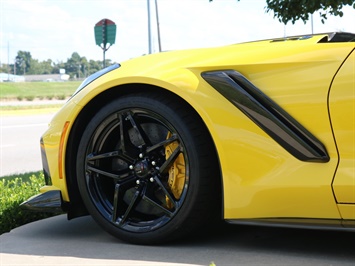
[{"x": 172, "y": 115}]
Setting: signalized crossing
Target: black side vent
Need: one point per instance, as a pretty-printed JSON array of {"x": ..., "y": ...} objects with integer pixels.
[
  {"x": 342, "y": 37},
  {"x": 269, "y": 116}
]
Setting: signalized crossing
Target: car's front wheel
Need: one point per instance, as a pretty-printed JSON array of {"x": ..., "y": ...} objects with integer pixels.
[{"x": 147, "y": 170}]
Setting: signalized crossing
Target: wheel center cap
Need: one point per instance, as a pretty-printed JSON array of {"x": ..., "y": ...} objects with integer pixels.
[{"x": 141, "y": 169}]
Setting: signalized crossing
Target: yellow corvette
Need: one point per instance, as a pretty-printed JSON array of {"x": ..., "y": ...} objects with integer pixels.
[{"x": 254, "y": 133}]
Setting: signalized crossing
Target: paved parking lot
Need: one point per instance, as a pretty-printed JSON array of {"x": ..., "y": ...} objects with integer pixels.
[{"x": 56, "y": 241}]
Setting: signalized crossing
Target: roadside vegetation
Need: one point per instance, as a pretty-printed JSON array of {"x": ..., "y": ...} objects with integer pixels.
[
  {"x": 30, "y": 91},
  {"x": 29, "y": 108},
  {"x": 77, "y": 67},
  {"x": 14, "y": 190}
]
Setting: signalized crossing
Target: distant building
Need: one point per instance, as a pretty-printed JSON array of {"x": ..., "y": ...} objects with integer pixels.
[
  {"x": 4, "y": 77},
  {"x": 47, "y": 77}
]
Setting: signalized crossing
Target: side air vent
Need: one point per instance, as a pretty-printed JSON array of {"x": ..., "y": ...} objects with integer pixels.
[
  {"x": 320, "y": 37},
  {"x": 269, "y": 116},
  {"x": 342, "y": 37}
]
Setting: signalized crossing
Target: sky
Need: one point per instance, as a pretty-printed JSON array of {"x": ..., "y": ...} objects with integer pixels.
[{"x": 54, "y": 29}]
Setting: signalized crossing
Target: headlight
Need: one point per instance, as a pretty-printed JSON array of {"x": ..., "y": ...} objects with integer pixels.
[{"x": 94, "y": 76}]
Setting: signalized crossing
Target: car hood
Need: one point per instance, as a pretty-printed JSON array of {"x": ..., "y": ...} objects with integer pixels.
[{"x": 273, "y": 51}]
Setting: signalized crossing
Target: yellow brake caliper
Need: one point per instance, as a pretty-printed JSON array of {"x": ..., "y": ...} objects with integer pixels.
[{"x": 177, "y": 175}]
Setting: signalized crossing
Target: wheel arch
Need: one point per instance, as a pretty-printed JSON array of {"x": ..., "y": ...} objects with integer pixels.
[{"x": 76, "y": 206}]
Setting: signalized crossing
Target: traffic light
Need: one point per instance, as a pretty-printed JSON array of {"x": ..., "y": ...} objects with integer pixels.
[{"x": 105, "y": 32}]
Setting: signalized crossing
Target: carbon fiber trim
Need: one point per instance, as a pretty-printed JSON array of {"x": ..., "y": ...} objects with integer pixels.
[
  {"x": 269, "y": 116},
  {"x": 50, "y": 201}
]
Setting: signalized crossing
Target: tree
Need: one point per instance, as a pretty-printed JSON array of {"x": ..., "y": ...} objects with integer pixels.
[
  {"x": 293, "y": 10},
  {"x": 57, "y": 66},
  {"x": 5, "y": 68},
  {"x": 94, "y": 66},
  {"x": 23, "y": 62},
  {"x": 76, "y": 66},
  {"x": 35, "y": 67},
  {"x": 73, "y": 66},
  {"x": 47, "y": 66}
]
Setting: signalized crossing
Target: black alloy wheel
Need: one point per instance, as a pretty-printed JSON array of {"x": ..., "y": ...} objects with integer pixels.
[{"x": 143, "y": 169}]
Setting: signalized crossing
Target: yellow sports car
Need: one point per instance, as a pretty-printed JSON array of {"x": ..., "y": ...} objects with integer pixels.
[{"x": 163, "y": 145}]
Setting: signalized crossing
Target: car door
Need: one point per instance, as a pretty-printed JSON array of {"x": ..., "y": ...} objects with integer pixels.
[{"x": 342, "y": 114}]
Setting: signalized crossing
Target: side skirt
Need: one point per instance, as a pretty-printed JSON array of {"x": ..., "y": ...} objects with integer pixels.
[{"x": 303, "y": 223}]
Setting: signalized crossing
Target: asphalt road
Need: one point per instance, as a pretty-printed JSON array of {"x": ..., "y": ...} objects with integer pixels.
[
  {"x": 19, "y": 143},
  {"x": 56, "y": 241}
]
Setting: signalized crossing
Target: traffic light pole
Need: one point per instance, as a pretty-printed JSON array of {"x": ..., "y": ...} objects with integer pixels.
[{"x": 104, "y": 24}]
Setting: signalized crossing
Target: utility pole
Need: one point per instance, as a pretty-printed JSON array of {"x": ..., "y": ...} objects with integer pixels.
[
  {"x": 157, "y": 18},
  {"x": 149, "y": 26},
  {"x": 8, "y": 61},
  {"x": 149, "y": 33}
]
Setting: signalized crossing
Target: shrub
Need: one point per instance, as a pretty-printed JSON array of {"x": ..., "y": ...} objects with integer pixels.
[
  {"x": 30, "y": 98},
  {"x": 61, "y": 97},
  {"x": 13, "y": 192}
]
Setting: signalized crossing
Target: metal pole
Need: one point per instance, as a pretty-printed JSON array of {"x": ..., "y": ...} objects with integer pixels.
[
  {"x": 312, "y": 22},
  {"x": 8, "y": 61},
  {"x": 149, "y": 33},
  {"x": 104, "y": 40},
  {"x": 157, "y": 18}
]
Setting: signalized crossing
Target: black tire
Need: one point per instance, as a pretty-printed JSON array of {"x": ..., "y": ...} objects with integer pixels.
[{"x": 147, "y": 170}]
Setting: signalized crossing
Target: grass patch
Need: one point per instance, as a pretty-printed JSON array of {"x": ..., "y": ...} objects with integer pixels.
[
  {"x": 41, "y": 90},
  {"x": 29, "y": 109},
  {"x": 25, "y": 177},
  {"x": 14, "y": 190}
]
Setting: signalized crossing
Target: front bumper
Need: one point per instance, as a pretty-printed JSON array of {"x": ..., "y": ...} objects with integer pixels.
[{"x": 50, "y": 199}]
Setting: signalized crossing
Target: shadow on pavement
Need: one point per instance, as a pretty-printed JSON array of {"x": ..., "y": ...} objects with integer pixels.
[{"x": 82, "y": 241}]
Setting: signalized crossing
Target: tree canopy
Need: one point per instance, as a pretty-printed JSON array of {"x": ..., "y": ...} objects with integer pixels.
[
  {"x": 76, "y": 66},
  {"x": 293, "y": 10}
]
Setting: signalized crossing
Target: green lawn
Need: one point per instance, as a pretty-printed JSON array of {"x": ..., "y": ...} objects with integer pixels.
[
  {"x": 37, "y": 90},
  {"x": 23, "y": 110}
]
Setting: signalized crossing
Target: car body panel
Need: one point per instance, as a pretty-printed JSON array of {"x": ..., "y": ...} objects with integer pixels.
[
  {"x": 342, "y": 112},
  {"x": 347, "y": 212},
  {"x": 51, "y": 143},
  {"x": 260, "y": 178}
]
